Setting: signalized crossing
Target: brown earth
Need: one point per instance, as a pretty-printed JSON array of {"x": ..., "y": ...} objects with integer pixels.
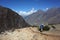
[{"x": 29, "y": 33}]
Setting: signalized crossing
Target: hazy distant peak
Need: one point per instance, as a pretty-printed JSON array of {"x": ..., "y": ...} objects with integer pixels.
[
  {"x": 40, "y": 10},
  {"x": 55, "y": 8},
  {"x": 51, "y": 16}
]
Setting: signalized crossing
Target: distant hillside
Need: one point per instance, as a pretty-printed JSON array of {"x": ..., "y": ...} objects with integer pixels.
[
  {"x": 51, "y": 16},
  {"x": 35, "y": 18},
  {"x": 10, "y": 20}
]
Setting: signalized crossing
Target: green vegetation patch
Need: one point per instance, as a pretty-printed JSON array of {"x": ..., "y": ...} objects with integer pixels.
[{"x": 46, "y": 28}]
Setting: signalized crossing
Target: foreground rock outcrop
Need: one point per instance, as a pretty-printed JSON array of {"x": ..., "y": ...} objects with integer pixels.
[
  {"x": 29, "y": 33},
  {"x": 10, "y": 20}
]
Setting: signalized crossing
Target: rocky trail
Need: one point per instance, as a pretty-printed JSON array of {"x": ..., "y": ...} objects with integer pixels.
[{"x": 29, "y": 33}]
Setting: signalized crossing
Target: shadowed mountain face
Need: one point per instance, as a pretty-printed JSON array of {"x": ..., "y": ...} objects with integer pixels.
[
  {"x": 51, "y": 16},
  {"x": 10, "y": 20}
]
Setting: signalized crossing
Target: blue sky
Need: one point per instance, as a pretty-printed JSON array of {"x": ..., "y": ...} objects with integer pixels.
[{"x": 28, "y": 5}]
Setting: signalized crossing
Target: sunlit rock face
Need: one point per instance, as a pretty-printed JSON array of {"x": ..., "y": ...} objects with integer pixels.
[{"x": 10, "y": 19}]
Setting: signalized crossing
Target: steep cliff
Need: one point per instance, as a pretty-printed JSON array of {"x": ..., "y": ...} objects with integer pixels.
[{"x": 10, "y": 20}]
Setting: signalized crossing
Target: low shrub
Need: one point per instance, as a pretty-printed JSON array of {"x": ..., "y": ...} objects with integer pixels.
[
  {"x": 46, "y": 28},
  {"x": 53, "y": 27}
]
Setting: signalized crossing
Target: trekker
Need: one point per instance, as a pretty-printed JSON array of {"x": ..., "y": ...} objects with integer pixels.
[{"x": 41, "y": 27}]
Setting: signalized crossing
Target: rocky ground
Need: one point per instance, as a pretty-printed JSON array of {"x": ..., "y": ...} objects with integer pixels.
[{"x": 29, "y": 33}]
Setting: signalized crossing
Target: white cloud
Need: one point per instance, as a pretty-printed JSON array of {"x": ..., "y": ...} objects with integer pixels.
[
  {"x": 46, "y": 8},
  {"x": 31, "y": 11},
  {"x": 24, "y": 13}
]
